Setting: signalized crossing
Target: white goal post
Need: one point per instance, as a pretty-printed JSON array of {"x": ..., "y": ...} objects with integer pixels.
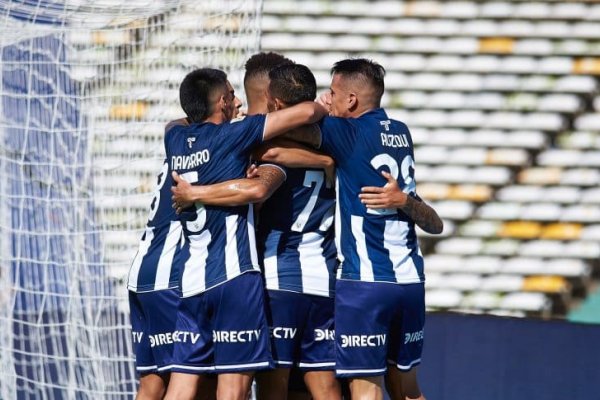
[{"x": 86, "y": 89}]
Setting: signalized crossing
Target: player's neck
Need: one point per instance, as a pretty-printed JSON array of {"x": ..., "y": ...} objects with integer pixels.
[
  {"x": 216, "y": 118},
  {"x": 257, "y": 107}
]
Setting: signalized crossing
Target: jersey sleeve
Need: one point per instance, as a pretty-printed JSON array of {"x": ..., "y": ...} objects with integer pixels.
[
  {"x": 337, "y": 137},
  {"x": 247, "y": 132}
]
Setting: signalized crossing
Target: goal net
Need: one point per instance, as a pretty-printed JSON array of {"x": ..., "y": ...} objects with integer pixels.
[{"x": 86, "y": 89}]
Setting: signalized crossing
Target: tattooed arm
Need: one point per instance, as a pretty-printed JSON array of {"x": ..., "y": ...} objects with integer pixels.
[
  {"x": 230, "y": 193},
  {"x": 390, "y": 196}
]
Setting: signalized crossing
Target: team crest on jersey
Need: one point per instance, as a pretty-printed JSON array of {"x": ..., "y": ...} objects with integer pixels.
[{"x": 190, "y": 141}]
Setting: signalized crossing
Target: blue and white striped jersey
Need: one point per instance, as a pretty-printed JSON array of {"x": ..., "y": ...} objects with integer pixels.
[
  {"x": 219, "y": 241},
  {"x": 153, "y": 267},
  {"x": 296, "y": 236},
  {"x": 374, "y": 245}
]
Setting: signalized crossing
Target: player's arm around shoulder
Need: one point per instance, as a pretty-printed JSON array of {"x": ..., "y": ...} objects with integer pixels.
[
  {"x": 265, "y": 180},
  {"x": 390, "y": 196},
  {"x": 280, "y": 121}
]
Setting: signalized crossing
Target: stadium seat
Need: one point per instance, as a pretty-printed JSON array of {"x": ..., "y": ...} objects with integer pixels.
[
  {"x": 485, "y": 265},
  {"x": 528, "y": 302},
  {"x": 441, "y": 263},
  {"x": 459, "y": 246},
  {"x": 481, "y": 300},
  {"x": 560, "y": 231},
  {"x": 476, "y": 193},
  {"x": 580, "y": 177},
  {"x": 499, "y": 211},
  {"x": 479, "y": 228},
  {"x": 454, "y": 209},
  {"x": 502, "y": 283},
  {"x": 541, "y": 212},
  {"x": 442, "y": 298},
  {"x": 520, "y": 193},
  {"x": 519, "y": 230},
  {"x": 540, "y": 176},
  {"x": 501, "y": 247},
  {"x": 465, "y": 282}
]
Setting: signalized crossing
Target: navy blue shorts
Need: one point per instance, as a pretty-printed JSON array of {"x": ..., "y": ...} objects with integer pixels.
[
  {"x": 153, "y": 317},
  {"x": 224, "y": 329},
  {"x": 376, "y": 323},
  {"x": 302, "y": 332}
]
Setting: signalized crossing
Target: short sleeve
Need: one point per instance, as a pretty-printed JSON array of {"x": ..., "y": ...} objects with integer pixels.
[
  {"x": 337, "y": 137},
  {"x": 247, "y": 132}
]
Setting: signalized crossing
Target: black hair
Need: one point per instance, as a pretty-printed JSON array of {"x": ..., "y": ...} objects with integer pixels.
[
  {"x": 362, "y": 68},
  {"x": 196, "y": 92},
  {"x": 259, "y": 65},
  {"x": 292, "y": 84}
]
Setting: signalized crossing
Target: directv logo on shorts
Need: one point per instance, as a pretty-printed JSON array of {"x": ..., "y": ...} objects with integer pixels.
[
  {"x": 280, "y": 332},
  {"x": 236, "y": 336},
  {"x": 137, "y": 337},
  {"x": 324, "y": 334},
  {"x": 171, "y": 337},
  {"x": 363, "y": 340},
  {"x": 413, "y": 336}
]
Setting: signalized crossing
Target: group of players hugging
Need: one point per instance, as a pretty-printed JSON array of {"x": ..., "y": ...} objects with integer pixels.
[{"x": 281, "y": 242}]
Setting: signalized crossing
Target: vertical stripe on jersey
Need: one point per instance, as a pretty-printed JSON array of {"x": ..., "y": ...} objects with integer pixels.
[
  {"x": 232, "y": 261},
  {"x": 251, "y": 235},
  {"x": 270, "y": 260},
  {"x": 316, "y": 278},
  {"x": 136, "y": 265},
  {"x": 366, "y": 267},
  {"x": 338, "y": 224},
  {"x": 194, "y": 278},
  {"x": 394, "y": 240},
  {"x": 163, "y": 270}
]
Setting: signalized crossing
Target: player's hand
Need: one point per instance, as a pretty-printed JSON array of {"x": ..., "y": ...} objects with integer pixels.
[
  {"x": 325, "y": 100},
  {"x": 252, "y": 171},
  {"x": 182, "y": 193},
  {"x": 388, "y": 196}
]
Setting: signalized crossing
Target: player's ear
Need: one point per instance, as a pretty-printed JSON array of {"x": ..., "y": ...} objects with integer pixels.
[
  {"x": 279, "y": 104},
  {"x": 352, "y": 102}
]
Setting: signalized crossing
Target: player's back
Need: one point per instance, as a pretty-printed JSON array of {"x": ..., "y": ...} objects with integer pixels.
[
  {"x": 153, "y": 267},
  {"x": 220, "y": 243},
  {"x": 376, "y": 245},
  {"x": 295, "y": 234}
]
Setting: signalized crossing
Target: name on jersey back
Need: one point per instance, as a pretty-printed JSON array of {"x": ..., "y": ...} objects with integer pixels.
[{"x": 190, "y": 161}]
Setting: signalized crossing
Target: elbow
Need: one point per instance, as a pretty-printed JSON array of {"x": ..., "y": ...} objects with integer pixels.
[
  {"x": 259, "y": 193},
  {"x": 437, "y": 227}
]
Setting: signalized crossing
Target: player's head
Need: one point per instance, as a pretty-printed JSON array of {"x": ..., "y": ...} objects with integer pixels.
[
  {"x": 356, "y": 86},
  {"x": 205, "y": 93},
  {"x": 256, "y": 78},
  {"x": 290, "y": 84}
]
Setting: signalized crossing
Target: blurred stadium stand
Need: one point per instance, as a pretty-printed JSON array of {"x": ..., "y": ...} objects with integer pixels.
[{"x": 502, "y": 99}]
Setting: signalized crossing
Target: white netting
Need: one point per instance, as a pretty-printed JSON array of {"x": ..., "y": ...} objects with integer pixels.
[{"x": 86, "y": 89}]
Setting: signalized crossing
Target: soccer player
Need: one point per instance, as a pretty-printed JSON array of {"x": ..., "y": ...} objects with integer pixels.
[
  {"x": 222, "y": 290},
  {"x": 379, "y": 296},
  {"x": 298, "y": 252},
  {"x": 153, "y": 298}
]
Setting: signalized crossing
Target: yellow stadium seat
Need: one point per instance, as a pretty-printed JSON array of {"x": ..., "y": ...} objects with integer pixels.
[
  {"x": 587, "y": 66},
  {"x": 520, "y": 230},
  {"x": 540, "y": 176},
  {"x": 134, "y": 110},
  {"x": 561, "y": 231},
  {"x": 477, "y": 193},
  {"x": 545, "y": 284},
  {"x": 496, "y": 45}
]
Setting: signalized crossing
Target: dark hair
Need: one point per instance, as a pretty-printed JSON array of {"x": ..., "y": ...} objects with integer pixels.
[
  {"x": 196, "y": 92},
  {"x": 292, "y": 83},
  {"x": 260, "y": 64},
  {"x": 361, "y": 68}
]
